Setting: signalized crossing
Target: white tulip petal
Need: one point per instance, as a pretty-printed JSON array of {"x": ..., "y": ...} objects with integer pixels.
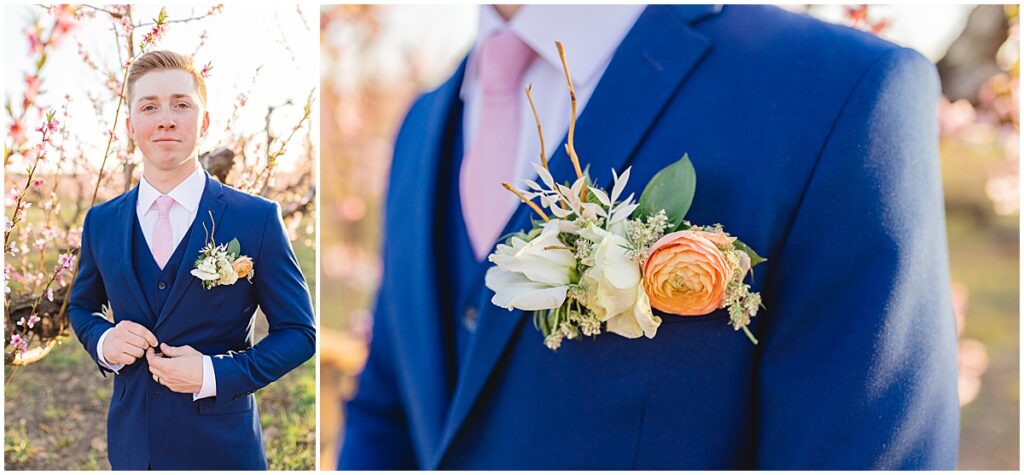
[{"x": 514, "y": 291}]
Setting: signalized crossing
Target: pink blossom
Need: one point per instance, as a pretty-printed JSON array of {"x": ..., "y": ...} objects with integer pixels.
[
  {"x": 31, "y": 90},
  {"x": 206, "y": 70},
  {"x": 65, "y": 15},
  {"x": 33, "y": 320},
  {"x": 64, "y": 262},
  {"x": 17, "y": 132},
  {"x": 35, "y": 45},
  {"x": 19, "y": 343}
]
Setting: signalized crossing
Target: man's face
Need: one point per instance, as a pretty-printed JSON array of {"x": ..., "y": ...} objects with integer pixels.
[{"x": 166, "y": 118}]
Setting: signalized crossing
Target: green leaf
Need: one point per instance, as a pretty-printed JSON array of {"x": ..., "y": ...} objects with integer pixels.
[
  {"x": 671, "y": 190},
  {"x": 683, "y": 226},
  {"x": 754, "y": 258},
  {"x": 234, "y": 248}
]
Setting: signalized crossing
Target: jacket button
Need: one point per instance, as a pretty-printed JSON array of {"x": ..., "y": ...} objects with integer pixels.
[
  {"x": 161, "y": 285},
  {"x": 469, "y": 318}
]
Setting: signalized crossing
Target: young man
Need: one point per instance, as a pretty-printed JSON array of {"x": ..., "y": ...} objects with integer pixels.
[
  {"x": 815, "y": 143},
  {"x": 181, "y": 348}
]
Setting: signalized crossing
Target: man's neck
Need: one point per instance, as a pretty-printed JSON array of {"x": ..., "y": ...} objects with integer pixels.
[
  {"x": 507, "y": 11},
  {"x": 165, "y": 181}
]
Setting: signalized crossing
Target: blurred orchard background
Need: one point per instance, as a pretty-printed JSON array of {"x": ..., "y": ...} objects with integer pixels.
[
  {"x": 66, "y": 149},
  {"x": 376, "y": 59}
]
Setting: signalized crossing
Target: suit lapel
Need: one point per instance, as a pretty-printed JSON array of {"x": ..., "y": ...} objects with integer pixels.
[
  {"x": 646, "y": 70},
  {"x": 420, "y": 336},
  {"x": 213, "y": 203},
  {"x": 126, "y": 216}
]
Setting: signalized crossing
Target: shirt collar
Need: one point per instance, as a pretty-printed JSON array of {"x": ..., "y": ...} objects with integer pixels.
[
  {"x": 188, "y": 193},
  {"x": 591, "y": 34}
]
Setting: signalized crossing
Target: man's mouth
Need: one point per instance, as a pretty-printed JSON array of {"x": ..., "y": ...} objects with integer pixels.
[{"x": 167, "y": 140}]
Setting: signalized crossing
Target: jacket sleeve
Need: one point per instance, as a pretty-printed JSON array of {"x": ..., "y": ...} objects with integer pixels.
[
  {"x": 87, "y": 297},
  {"x": 376, "y": 435},
  {"x": 858, "y": 368},
  {"x": 282, "y": 294}
]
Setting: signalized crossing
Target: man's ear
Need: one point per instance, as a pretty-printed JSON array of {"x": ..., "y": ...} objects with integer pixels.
[
  {"x": 206, "y": 123},
  {"x": 128, "y": 125}
]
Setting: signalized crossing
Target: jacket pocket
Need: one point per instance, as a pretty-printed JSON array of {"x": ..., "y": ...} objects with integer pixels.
[{"x": 208, "y": 406}]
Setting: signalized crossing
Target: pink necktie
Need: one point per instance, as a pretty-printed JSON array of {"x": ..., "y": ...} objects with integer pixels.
[
  {"x": 491, "y": 159},
  {"x": 162, "y": 236}
]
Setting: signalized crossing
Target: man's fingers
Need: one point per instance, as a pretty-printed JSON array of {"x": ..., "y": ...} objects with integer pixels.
[
  {"x": 134, "y": 340},
  {"x": 133, "y": 351},
  {"x": 141, "y": 331},
  {"x": 122, "y": 358},
  {"x": 154, "y": 359}
]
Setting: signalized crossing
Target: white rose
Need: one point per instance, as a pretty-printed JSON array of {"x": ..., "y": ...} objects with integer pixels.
[
  {"x": 206, "y": 270},
  {"x": 614, "y": 287},
  {"x": 226, "y": 272},
  {"x": 528, "y": 276}
]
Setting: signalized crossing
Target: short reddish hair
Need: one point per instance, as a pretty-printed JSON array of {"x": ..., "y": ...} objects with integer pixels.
[{"x": 164, "y": 60}]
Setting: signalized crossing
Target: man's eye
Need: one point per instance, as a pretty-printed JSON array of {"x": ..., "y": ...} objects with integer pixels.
[
  {"x": 148, "y": 108},
  {"x": 184, "y": 105}
]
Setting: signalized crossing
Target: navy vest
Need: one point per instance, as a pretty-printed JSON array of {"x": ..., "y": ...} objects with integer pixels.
[
  {"x": 460, "y": 275},
  {"x": 156, "y": 283}
]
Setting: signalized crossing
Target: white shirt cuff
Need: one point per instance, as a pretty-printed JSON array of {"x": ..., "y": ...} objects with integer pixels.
[
  {"x": 209, "y": 388},
  {"x": 99, "y": 354}
]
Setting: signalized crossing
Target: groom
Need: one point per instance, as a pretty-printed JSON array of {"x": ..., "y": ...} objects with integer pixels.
[
  {"x": 815, "y": 142},
  {"x": 186, "y": 367}
]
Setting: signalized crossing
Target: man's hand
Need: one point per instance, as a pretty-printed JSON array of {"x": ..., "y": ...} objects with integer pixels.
[
  {"x": 127, "y": 343},
  {"x": 179, "y": 368}
]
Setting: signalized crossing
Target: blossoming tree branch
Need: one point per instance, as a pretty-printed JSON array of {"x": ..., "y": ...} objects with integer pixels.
[{"x": 51, "y": 182}]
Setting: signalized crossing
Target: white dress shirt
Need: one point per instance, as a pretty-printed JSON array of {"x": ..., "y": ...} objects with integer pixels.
[
  {"x": 590, "y": 34},
  {"x": 186, "y": 197}
]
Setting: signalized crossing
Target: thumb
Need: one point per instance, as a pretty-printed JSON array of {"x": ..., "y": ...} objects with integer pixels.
[{"x": 170, "y": 351}]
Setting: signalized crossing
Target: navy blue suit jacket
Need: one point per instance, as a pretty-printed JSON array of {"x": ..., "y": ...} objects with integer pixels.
[
  {"x": 148, "y": 425},
  {"x": 814, "y": 143}
]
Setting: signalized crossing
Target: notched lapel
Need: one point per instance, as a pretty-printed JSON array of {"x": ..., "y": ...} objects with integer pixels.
[
  {"x": 646, "y": 70},
  {"x": 213, "y": 203}
]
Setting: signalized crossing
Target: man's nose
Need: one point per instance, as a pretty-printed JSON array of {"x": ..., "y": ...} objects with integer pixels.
[{"x": 166, "y": 123}]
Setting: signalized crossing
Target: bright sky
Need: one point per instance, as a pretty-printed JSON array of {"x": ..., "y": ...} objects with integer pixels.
[{"x": 239, "y": 39}]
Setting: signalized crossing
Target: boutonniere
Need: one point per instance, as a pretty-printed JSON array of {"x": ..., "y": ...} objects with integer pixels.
[
  {"x": 221, "y": 264},
  {"x": 598, "y": 262}
]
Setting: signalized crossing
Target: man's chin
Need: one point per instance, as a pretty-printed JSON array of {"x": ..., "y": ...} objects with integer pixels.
[{"x": 168, "y": 163}]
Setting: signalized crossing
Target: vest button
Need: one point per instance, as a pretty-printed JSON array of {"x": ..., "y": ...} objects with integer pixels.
[
  {"x": 161, "y": 285},
  {"x": 469, "y": 318}
]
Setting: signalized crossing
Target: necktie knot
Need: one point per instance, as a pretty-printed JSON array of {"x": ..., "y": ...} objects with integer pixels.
[
  {"x": 503, "y": 60},
  {"x": 163, "y": 205}
]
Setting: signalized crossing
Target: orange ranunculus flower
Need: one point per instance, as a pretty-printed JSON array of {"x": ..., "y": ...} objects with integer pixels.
[
  {"x": 686, "y": 273},
  {"x": 242, "y": 266}
]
